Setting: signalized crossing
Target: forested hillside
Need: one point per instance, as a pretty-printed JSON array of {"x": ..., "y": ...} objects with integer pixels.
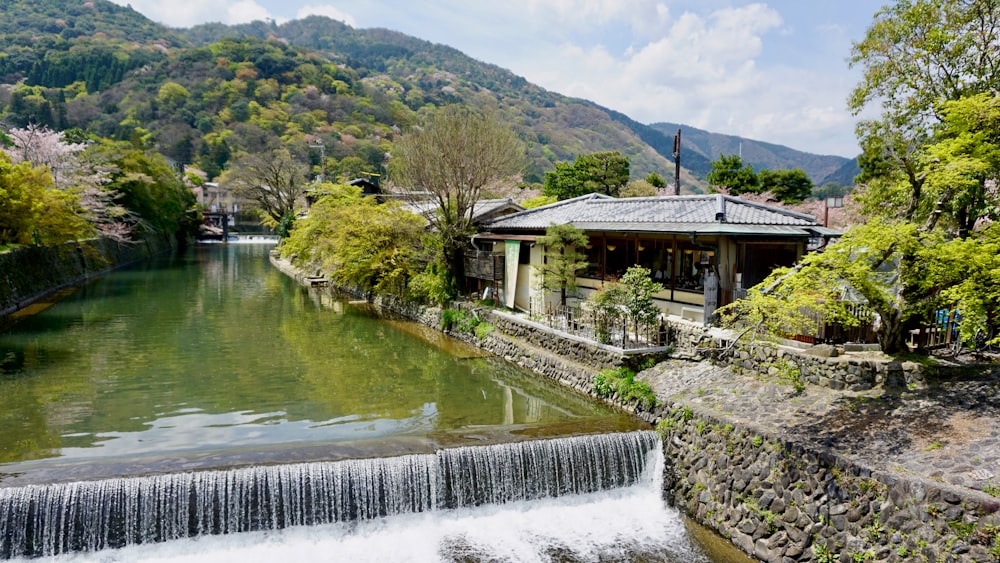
[{"x": 201, "y": 95}]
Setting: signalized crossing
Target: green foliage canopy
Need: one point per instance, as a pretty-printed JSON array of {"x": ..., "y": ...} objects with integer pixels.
[
  {"x": 789, "y": 186},
  {"x": 363, "y": 244},
  {"x": 732, "y": 173},
  {"x": 930, "y": 168},
  {"x": 149, "y": 188},
  {"x": 601, "y": 172},
  {"x": 32, "y": 211},
  {"x": 630, "y": 299}
]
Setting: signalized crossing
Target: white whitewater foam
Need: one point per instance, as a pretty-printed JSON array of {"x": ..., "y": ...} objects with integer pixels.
[{"x": 609, "y": 526}]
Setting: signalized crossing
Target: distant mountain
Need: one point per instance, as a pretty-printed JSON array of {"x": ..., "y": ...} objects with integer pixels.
[
  {"x": 700, "y": 148},
  {"x": 200, "y": 94},
  {"x": 385, "y": 50}
]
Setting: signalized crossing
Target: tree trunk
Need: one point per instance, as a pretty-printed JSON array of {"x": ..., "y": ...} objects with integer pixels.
[
  {"x": 456, "y": 265},
  {"x": 891, "y": 334}
]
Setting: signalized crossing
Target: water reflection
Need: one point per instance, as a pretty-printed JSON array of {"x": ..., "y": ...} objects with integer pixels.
[{"x": 214, "y": 350}]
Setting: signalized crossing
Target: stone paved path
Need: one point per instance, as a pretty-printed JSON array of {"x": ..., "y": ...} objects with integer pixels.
[{"x": 948, "y": 432}]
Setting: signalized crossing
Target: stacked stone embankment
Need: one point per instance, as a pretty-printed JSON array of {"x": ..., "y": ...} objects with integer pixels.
[
  {"x": 32, "y": 273},
  {"x": 800, "y": 454}
]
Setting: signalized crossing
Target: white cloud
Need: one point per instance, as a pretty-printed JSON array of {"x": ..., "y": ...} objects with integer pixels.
[
  {"x": 245, "y": 11},
  {"x": 327, "y": 10},
  {"x": 187, "y": 13},
  {"x": 705, "y": 70}
]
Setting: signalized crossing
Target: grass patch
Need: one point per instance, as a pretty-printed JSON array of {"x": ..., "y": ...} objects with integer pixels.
[
  {"x": 483, "y": 330},
  {"x": 622, "y": 381},
  {"x": 457, "y": 320}
]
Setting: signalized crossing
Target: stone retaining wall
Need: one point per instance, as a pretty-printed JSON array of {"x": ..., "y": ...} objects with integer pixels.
[
  {"x": 776, "y": 499},
  {"x": 31, "y": 273},
  {"x": 779, "y": 500},
  {"x": 817, "y": 365},
  {"x": 783, "y": 501}
]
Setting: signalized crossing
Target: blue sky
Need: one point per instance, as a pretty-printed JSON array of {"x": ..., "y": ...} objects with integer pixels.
[{"x": 773, "y": 70}]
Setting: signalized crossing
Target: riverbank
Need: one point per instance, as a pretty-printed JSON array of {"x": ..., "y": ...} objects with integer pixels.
[
  {"x": 882, "y": 468},
  {"x": 29, "y": 275}
]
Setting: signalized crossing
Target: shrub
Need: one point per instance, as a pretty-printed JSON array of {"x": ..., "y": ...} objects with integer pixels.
[
  {"x": 483, "y": 330},
  {"x": 451, "y": 318},
  {"x": 622, "y": 381}
]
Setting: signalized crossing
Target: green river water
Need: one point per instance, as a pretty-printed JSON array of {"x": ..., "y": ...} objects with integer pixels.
[{"x": 213, "y": 357}]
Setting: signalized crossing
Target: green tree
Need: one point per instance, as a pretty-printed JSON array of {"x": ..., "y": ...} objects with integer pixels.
[
  {"x": 361, "y": 243},
  {"x": 638, "y": 188},
  {"x": 929, "y": 171},
  {"x": 376, "y": 246},
  {"x": 172, "y": 94},
  {"x": 600, "y": 172},
  {"x": 457, "y": 154},
  {"x": 630, "y": 299},
  {"x": 732, "y": 173},
  {"x": 656, "y": 180},
  {"x": 638, "y": 289},
  {"x": 562, "y": 183},
  {"x": 148, "y": 187},
  {"x": 973, "y": 266},
  {"x": 563, "y": 258},
  {"x": 861, "y": 265},
  {"x": 309, "y": 242},
  {"x": 32, "y": 211},
  {"x": 789, "y": 186},
  {"x": 606, "y": 311},
  {"x": 961, "y": 167},
  {"x": 916, "y": 54},
  {"x": 905, "y": 268}
]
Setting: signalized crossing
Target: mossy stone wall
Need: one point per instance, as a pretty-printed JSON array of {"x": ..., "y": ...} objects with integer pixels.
[{"x": 31, "y": 273}]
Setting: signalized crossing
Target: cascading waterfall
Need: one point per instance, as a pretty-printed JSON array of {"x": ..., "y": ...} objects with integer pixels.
[{"x": 41, "y": 520}]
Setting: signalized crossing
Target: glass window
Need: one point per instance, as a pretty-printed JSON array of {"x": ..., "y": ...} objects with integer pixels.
[
  {"x": 593, "y": 252},
  {"x": 693, "y": 263},
  {"x": 618, "y": 257},
  {"x": 657, "y": 256},
  {"x": 689, "y": 267}
]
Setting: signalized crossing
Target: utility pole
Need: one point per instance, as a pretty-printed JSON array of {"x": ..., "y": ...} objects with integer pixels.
[{"x": 677, "y": 163}]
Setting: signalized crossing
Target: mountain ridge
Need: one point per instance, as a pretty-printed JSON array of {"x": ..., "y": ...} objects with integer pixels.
[
  {"x": 696, "y": 156},
  {"x": 372, "y": 84}
]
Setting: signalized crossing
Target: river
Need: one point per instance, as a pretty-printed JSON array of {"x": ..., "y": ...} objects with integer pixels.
[{"x": 211, "y": 359}]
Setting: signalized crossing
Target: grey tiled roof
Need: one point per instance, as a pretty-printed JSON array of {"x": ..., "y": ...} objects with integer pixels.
[
  {"x": 699, "y": 213},
  {"x": 483, "y": 207}
]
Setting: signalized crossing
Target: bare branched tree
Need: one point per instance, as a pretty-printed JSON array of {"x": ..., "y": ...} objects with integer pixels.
[
  {"x": 450, "y": 161},
  {"x": 273, "y": 181}
]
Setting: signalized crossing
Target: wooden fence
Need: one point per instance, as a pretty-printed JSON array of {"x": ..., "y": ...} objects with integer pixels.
[{"x": 579, "y": 321}]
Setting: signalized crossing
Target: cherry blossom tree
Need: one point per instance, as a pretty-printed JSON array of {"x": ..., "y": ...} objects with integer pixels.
[
  {"x": 83, "y": 180},
  {"x": 43, "y": 147}
]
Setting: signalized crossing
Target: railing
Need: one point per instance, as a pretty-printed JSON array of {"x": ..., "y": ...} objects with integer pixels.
[
  {"x": 943, "y": 331},
  {"x": 576, "y": 320},
  {"x": 863, "y": 332}
]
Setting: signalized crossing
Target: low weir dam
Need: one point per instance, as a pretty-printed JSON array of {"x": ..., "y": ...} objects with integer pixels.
[
  {"x": 203, "y": 407},
  {"x": 45, "y": 520}
]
